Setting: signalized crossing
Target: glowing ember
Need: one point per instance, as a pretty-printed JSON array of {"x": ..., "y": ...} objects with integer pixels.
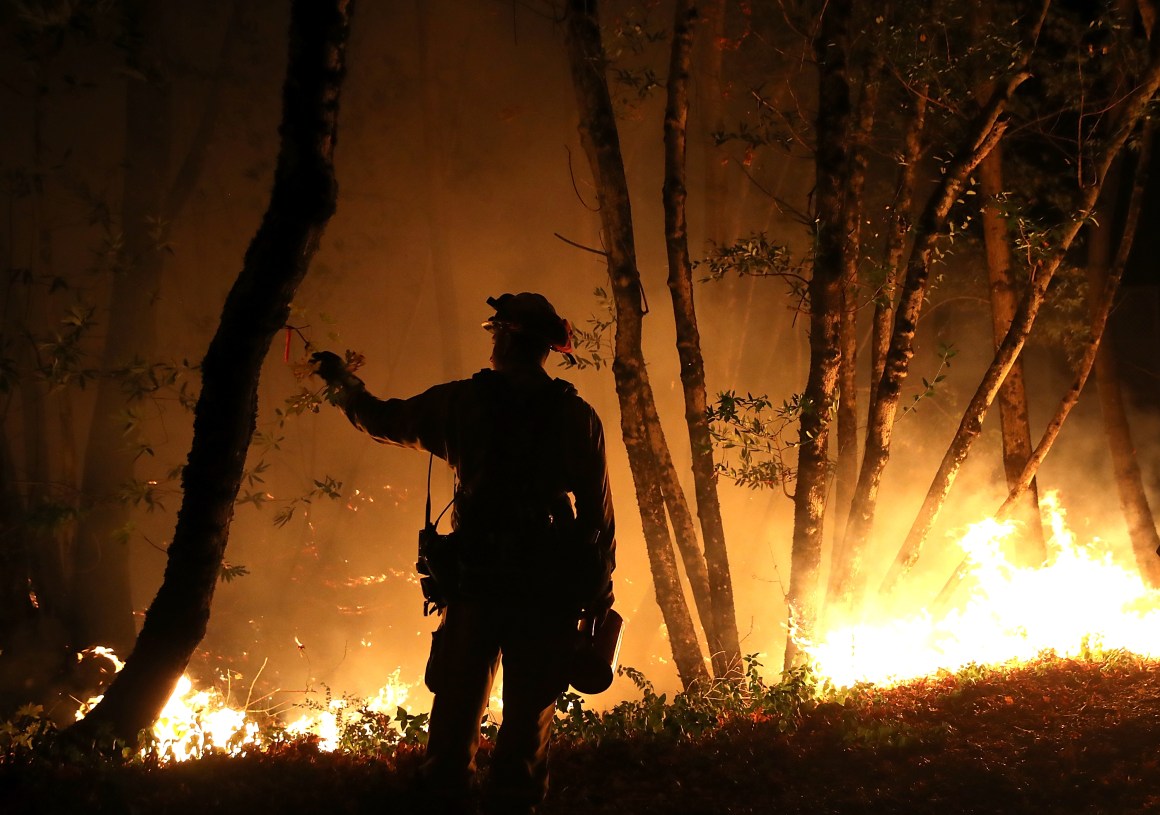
[{"x": 1078, "y": 602}]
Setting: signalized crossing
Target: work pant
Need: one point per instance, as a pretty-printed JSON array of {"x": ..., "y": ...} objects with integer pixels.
[{"x": 535, "y": 645}]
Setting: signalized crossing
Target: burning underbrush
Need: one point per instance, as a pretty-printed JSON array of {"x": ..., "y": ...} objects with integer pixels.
[
  {"x": 1038, "y": 692},
  {"x": 1051, "y": 735}
]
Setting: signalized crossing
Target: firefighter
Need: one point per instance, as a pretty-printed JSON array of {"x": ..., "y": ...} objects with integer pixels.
[{"x": 533, "y": 542}]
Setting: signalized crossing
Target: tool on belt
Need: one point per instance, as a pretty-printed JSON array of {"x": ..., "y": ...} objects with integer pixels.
[{"x": 438, "y": 564}]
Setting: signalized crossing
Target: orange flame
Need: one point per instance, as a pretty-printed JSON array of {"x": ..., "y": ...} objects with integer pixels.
[{"x": 1079, "y": 602}]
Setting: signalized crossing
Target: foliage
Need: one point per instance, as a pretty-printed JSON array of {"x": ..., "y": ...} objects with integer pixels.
[
  {"x": 592, "y": 346},
  {"x": 634, "y": 43},
  {"x": 946, "y": 352},
  {"x": 693, "y": 714},
  {"x": 753, "y": 429},
  {"x": 757, "y": 256}
]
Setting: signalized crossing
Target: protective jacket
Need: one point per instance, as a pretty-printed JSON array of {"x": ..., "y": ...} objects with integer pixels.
[{"x": 533, "y": 510}]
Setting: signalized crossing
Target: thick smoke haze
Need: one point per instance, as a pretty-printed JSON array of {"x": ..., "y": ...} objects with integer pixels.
[{"x": 459, "y": 163}]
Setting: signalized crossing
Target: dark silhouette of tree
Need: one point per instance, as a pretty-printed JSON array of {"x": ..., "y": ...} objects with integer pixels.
[{"x": 721, "y": 627}]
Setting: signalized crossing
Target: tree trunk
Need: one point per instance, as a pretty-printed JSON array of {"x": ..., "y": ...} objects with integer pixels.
[
  {"x": 302, "y": 201},
  {"x": 1126, "y": 467},
  {"x": 601, "y": 141},
  {"x": 847, "y": 577},
  {"x": 718, "y": 228},
  {"x": 846, "y": 472},
  {"x": 1104, "y": 274},
  {"x": 896, "y": 241},
  {"x": 102, "y": 612},
  {"x": 832, "y": 163},
  {"x": 433, "y": 196},
  {"x": 983, "y": 134},
  {"x": 1104, "y": 294},
  {"x": 680, "y": 518},
  {"x": 1016, "y": 426},
  {"x": 721, "y": 627},
  {"x": 1013, "y": 414},
  {"x": 970, "y": 426}
]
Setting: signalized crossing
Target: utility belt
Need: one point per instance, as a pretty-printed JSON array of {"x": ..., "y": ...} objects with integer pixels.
[{"x": 478, "y": 565}]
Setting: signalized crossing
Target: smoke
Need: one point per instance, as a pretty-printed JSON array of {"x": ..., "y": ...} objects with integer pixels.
[{"x": 458, "y": 166}]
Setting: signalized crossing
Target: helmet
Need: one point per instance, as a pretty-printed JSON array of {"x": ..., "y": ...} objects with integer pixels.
[{"x": 530, "y": 313}]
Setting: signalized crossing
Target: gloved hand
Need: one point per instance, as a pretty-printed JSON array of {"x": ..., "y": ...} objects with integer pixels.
[
  {"x": 329, "y": 366},
  {"x": 341, "y": 385}
]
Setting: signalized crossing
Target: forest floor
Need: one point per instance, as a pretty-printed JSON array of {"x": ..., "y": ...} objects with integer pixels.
[{"x": 1057, "y": 736}]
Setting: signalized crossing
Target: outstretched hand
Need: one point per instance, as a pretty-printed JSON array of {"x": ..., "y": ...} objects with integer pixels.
[{"x": 328, "y": 365}]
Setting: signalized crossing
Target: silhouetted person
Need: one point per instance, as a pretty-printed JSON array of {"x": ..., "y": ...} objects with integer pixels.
[{"x": 534, "y": 540}]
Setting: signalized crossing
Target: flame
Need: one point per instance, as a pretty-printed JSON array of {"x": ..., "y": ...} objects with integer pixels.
[
  {"x": 194, "y": 722},
  {"x": 1080, "y": 601},
  {"x": 326, "y": 723},
  {"x": 197, "y": 722}
]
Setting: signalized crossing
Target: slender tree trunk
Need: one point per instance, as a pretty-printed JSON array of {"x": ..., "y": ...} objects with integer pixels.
[
  {"x": 900, "y": 222},
  {"x": 718, "y": 227},
  {"x": 1104, "y": 295},
  {"x": 846, "y": 472},
  {"x": 984, "y": 133},
  {"x": 103, "y": 612},
  {"x": 1134, "y": 106},
  {"x": 1126, "y": 467},
  {"x": 1013, "y": 415},
  {"x": 684, "y": 529},
  {"x": 832, "y": 163},
  {"x": 598, "y": 133},
  {"x": 301, "y": 203},
  {"x": 721, "y": 628},
  {"x": 847, "y": 580},
  {"x": 434, "y": 196},
  {"x": 1104, "y": 274}
]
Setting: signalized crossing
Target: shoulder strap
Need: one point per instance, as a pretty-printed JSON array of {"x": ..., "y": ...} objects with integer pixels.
[{"x": 427, "y": 514}]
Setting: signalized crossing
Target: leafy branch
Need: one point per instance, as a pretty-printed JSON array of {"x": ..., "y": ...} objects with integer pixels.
[{"x": 751, "y": 432}]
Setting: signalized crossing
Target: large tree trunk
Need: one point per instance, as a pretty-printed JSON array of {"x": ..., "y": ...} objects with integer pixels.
[
  {"x": 832, "y": 163},
  {"x": 302, "y": 201},
  {"x": 1134, "y": 106},
  {"x": 601, "y": 141},
  {"x": 721, "y": 627}
]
